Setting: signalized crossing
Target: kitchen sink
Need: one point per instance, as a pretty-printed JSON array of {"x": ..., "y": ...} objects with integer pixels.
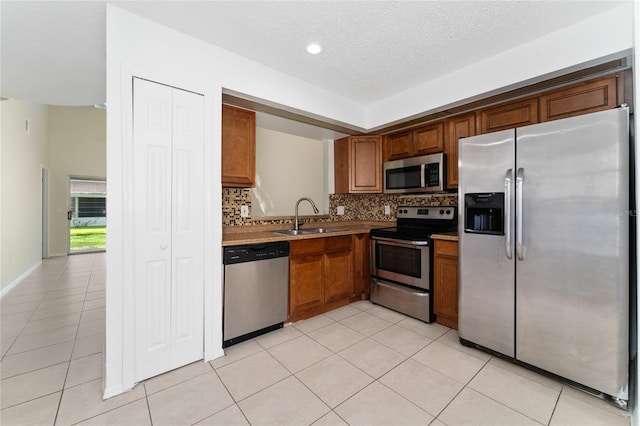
[
  {"x": 305, "y": 231},
  {"x": 319, "y": 230},
  {"x": 289, "y": 232}
]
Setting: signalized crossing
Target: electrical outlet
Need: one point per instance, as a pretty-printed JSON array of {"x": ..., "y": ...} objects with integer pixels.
[
  {"x": 340, "y": 210},
  {"x": 244, "y": 211},
  {"x": 387, "y": 210}
]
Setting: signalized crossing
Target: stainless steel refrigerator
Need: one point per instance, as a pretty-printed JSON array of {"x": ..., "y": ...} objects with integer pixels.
[{"x": 544, "y": 247}]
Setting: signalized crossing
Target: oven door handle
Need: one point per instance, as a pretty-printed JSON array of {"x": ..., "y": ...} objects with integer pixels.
[
  {"x": 508, "y": 177},
  {"x": 401, "y": 243}
]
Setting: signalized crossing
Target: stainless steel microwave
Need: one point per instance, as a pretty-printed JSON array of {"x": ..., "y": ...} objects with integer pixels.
[{"x": 417, "y": 174}]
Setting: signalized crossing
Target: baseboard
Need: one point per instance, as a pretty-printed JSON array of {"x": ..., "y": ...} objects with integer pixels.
[
  {"x": 22, "y": 276},
  {"x": 211, "y": 355},
  {"x": 58, "y": 254},
  {"x": 114, "y": 391}
]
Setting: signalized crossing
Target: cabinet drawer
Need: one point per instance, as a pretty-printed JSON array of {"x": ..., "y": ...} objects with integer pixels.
[
  {"x": 338, "y": 243},
  {"x": 303, "y": 247},
  {"x": 446, "y": 248}
]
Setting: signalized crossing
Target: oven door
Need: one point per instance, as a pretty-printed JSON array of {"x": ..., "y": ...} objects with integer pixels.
[{"x": 405, "y": 262}]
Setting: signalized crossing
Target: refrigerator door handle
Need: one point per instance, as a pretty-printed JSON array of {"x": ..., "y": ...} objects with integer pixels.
[
  {"x": 519, "y": 183},
  {"x": 508, "y": 177}
]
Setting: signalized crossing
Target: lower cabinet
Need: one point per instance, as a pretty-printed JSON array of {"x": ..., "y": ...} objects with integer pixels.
[
  {"x": 445, "y": 282},
  {"x": 361, "y": 281},
  {"x": 326, "y": 273}
]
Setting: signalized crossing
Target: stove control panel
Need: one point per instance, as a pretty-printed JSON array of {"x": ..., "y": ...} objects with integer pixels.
[{"x": 432, "y": 212}]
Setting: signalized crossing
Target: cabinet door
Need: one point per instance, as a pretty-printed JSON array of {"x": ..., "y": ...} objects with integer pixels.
[
  {"x": 357, "y": 165},
  {"x": 238, "y": 147},
  {"x": 361, "y": 265},
  {"x": 398, "y": 145},
  {"x": 445, "y": 283},
  {"x": 306, "y": 284},
  {"x": 509, "y": 116},
  {"x": 429, "y": 139},
  {"x": 338, "y": 273},
  {"x": 458, "y": 127},
  {"x": 593, "y": 96},
  {"x": 365, "y": 164}
]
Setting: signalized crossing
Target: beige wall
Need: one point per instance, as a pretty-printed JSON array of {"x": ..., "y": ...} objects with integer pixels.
[
  {"x": 287, "y": 167},
  {"x": 77, "y": 140},
  {"x": 22, "y": 155}
]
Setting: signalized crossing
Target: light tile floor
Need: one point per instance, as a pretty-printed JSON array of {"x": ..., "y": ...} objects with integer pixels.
[{"x": 357, "y": 365}]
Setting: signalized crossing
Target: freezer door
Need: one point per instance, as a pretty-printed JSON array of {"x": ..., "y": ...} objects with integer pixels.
[
  {"x": 486, "y": 297},
  {"x": 573, "y": 254}
]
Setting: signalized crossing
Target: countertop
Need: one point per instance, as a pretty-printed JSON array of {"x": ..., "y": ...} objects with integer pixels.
[
  {"x": 238, "y": 235},
  {"x": 446, "y": 236}
]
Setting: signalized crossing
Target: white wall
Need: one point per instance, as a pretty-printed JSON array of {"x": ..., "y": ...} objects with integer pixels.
[
  {"x": 22, "y": 155},
  {"x": 287, "y": 167},
  {"x": 137, "y": 47},
  {"x": 605, "y": 34},
  {"x": 77, "y": 140}
]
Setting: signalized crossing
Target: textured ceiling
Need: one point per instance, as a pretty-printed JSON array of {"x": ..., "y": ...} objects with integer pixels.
[{"x": 53, "y": 52}]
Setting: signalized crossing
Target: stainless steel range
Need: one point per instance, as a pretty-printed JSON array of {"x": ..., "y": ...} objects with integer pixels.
[{"x": 401, "y": 259}]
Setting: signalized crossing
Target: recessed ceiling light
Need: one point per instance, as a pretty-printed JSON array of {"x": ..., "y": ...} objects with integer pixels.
[{"x": 314, "y": 48}]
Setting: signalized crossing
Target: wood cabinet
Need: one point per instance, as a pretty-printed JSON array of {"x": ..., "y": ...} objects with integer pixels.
[
  {"x": 358, "y": 165},
  {"x": 427, "y": 139},
  {"x": 320, "y": 275},
  {"x": 445, "y": 283},
  {"x": 582, "y": 98},
  {"x": 508, "y": 116},
  {"x": 361, "y": 267},
  {"x": 398, "y": 145},
  {"x": 238, "y": 147},
  {"x": 460, "y": 126}
]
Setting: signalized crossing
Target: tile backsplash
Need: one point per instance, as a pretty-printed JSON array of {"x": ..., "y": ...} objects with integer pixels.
[
  {"x": 372, "y": 206},
  {"x": 369, "y": 207}
]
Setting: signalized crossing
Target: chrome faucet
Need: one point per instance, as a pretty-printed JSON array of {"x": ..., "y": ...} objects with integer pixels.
[{"x": 315, "y": 210}]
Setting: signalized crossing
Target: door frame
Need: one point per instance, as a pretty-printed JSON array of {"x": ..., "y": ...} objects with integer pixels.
[
  {"x": 119, "y": 348},
  {"x": 44, "y": 196},
  {"x": 68, "y": 198}
]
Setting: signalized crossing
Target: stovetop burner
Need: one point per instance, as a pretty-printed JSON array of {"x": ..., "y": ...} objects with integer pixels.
[{"x": 418, "y": 223}]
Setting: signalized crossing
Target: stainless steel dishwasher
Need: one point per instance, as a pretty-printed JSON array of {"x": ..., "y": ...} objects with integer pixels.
[{"x": 256, "y": 290}]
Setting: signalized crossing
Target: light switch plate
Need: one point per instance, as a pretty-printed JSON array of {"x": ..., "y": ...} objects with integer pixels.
[
  {"x": 387, "y": 209},
  {"x": 244, "y": 211},
  {"x": 340, "y": 210}
]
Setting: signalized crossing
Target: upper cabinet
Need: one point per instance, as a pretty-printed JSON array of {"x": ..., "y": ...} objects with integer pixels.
[
  {"x": 358, "y": 165},
  {"x": 583, "y": 98},
  {"x": 508, "y": 116},
  {"x": 460, "y": 126},
  {"x": 398, "y": 145},
  {"x": 238, "y": 147},
  {"x": 428, "y": 139}
]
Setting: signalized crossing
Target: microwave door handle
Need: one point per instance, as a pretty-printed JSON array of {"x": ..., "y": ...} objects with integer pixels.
[
  {"x": 519, "y": 184},
  {"x": 423, "y": 168},
  {"x": 508, "y": 177}
]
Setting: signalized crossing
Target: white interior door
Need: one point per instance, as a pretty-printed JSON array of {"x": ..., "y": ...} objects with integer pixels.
[{"x": 168, "y": 218}]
